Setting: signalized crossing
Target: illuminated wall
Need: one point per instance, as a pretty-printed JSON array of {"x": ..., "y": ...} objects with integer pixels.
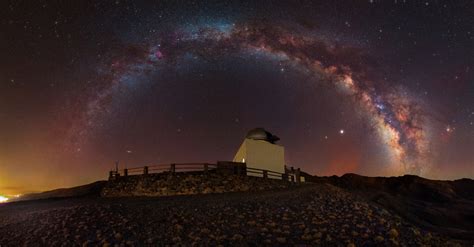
[{"x": 261, "y": 154}]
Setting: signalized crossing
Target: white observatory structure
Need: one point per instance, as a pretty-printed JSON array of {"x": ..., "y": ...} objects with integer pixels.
[{"x": 259, "y": 150}]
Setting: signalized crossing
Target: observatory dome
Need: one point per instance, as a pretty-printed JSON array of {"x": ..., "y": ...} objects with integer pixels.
[{"x": 262, "y": 134}]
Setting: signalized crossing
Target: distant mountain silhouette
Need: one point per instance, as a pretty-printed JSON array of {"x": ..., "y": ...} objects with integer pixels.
[{"x": 91, "y": 190}]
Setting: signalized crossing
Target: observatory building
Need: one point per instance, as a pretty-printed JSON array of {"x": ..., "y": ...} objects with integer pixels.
[{"x": 258, "y": 150}]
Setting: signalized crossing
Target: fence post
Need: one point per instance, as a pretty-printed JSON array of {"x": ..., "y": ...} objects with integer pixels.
[
  {"x": 206, "y": 168},
  {"x": 284, "y": 176},
  {"x": 145, "y": 170},
  {"x": 240, "y": 170},
  {"x": 298, "y": 177},
  {"x": 265, "y": 174},
  {"x": 125, "y": 172},
  {"x": 173, "y": 168},
  {"x": 292, "y": 178},
  {"x": 111, "y": 175}
]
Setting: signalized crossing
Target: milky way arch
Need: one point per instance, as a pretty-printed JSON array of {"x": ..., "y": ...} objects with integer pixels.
[{"x": 397, "y": 119}]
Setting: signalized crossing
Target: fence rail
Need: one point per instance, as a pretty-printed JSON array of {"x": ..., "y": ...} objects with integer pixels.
[
  {"x": 227, "y": 167},
  {"x": 265, "y": 173}
]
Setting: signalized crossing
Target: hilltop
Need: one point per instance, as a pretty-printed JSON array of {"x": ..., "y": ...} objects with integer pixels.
[{"x": 350, "y": 209}]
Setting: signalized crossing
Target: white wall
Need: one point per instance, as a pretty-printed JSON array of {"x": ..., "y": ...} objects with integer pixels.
[{"x": 261, "y": 154}]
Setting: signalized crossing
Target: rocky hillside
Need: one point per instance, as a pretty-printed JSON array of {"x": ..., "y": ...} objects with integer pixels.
[
  {"x": 313, "y": 215},
  {"x": 445, "y": 207},
  {"x": 442, "y": 206}
]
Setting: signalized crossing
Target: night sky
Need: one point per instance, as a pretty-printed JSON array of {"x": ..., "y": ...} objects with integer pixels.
[{"x": 378, "y": 88}]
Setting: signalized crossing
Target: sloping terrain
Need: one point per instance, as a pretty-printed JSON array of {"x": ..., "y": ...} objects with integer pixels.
[
  {"x": 443, "y": 206},
  {"x": 313, "y": 214},
  {"x": 92, "y": 190}
]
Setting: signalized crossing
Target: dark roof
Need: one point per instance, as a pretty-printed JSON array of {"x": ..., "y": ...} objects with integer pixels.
[{"x": 262, "y": 134}]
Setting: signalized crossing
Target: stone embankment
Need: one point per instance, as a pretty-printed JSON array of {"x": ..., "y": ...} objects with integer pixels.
[{"x": 167, "y": 184}]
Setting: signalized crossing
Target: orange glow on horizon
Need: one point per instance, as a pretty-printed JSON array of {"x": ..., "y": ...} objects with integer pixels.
[
  {"x": 3, "y": 199},
  {"x": 344, "y": 159}
]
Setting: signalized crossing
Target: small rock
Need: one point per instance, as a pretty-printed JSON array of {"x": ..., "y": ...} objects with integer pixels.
[
  {"x": 281, "y": 240},
  {"x": 306, "y": 237},
  {"x": 237, "y": 237},
  {"x": 178, "y": 227},
  {"x": 328, "y": 238},
  {"x": 205, "y": 231},
  {"x": 251, "y": 223},
  {"x": 379, "y": 239},
  {"x": 235, "y": 225},
  {"x": 394, "y": 242},
  {"x": 271, "y": 224},
  {"x": 393, "y": 233}
]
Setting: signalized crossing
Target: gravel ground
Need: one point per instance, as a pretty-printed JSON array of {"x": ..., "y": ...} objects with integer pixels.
[{"x": 317, "y": 214}]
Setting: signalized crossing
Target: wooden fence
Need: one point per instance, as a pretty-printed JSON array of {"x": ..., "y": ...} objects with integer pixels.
[
  {"x": 224, "y": 167},
  {"x": 265, "y": 173},
  {"x": 162, "y": 168}
]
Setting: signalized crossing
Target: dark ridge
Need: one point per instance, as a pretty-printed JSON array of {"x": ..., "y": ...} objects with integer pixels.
[
  {"x": 443, "y": 206},
  {"x": 88, "y": 190}
]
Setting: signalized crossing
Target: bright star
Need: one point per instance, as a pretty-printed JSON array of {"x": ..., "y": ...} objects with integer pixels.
[{"x": 341, "y": 131}]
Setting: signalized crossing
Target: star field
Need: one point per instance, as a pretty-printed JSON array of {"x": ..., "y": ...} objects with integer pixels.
[{"x": 371, "y": 87}]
